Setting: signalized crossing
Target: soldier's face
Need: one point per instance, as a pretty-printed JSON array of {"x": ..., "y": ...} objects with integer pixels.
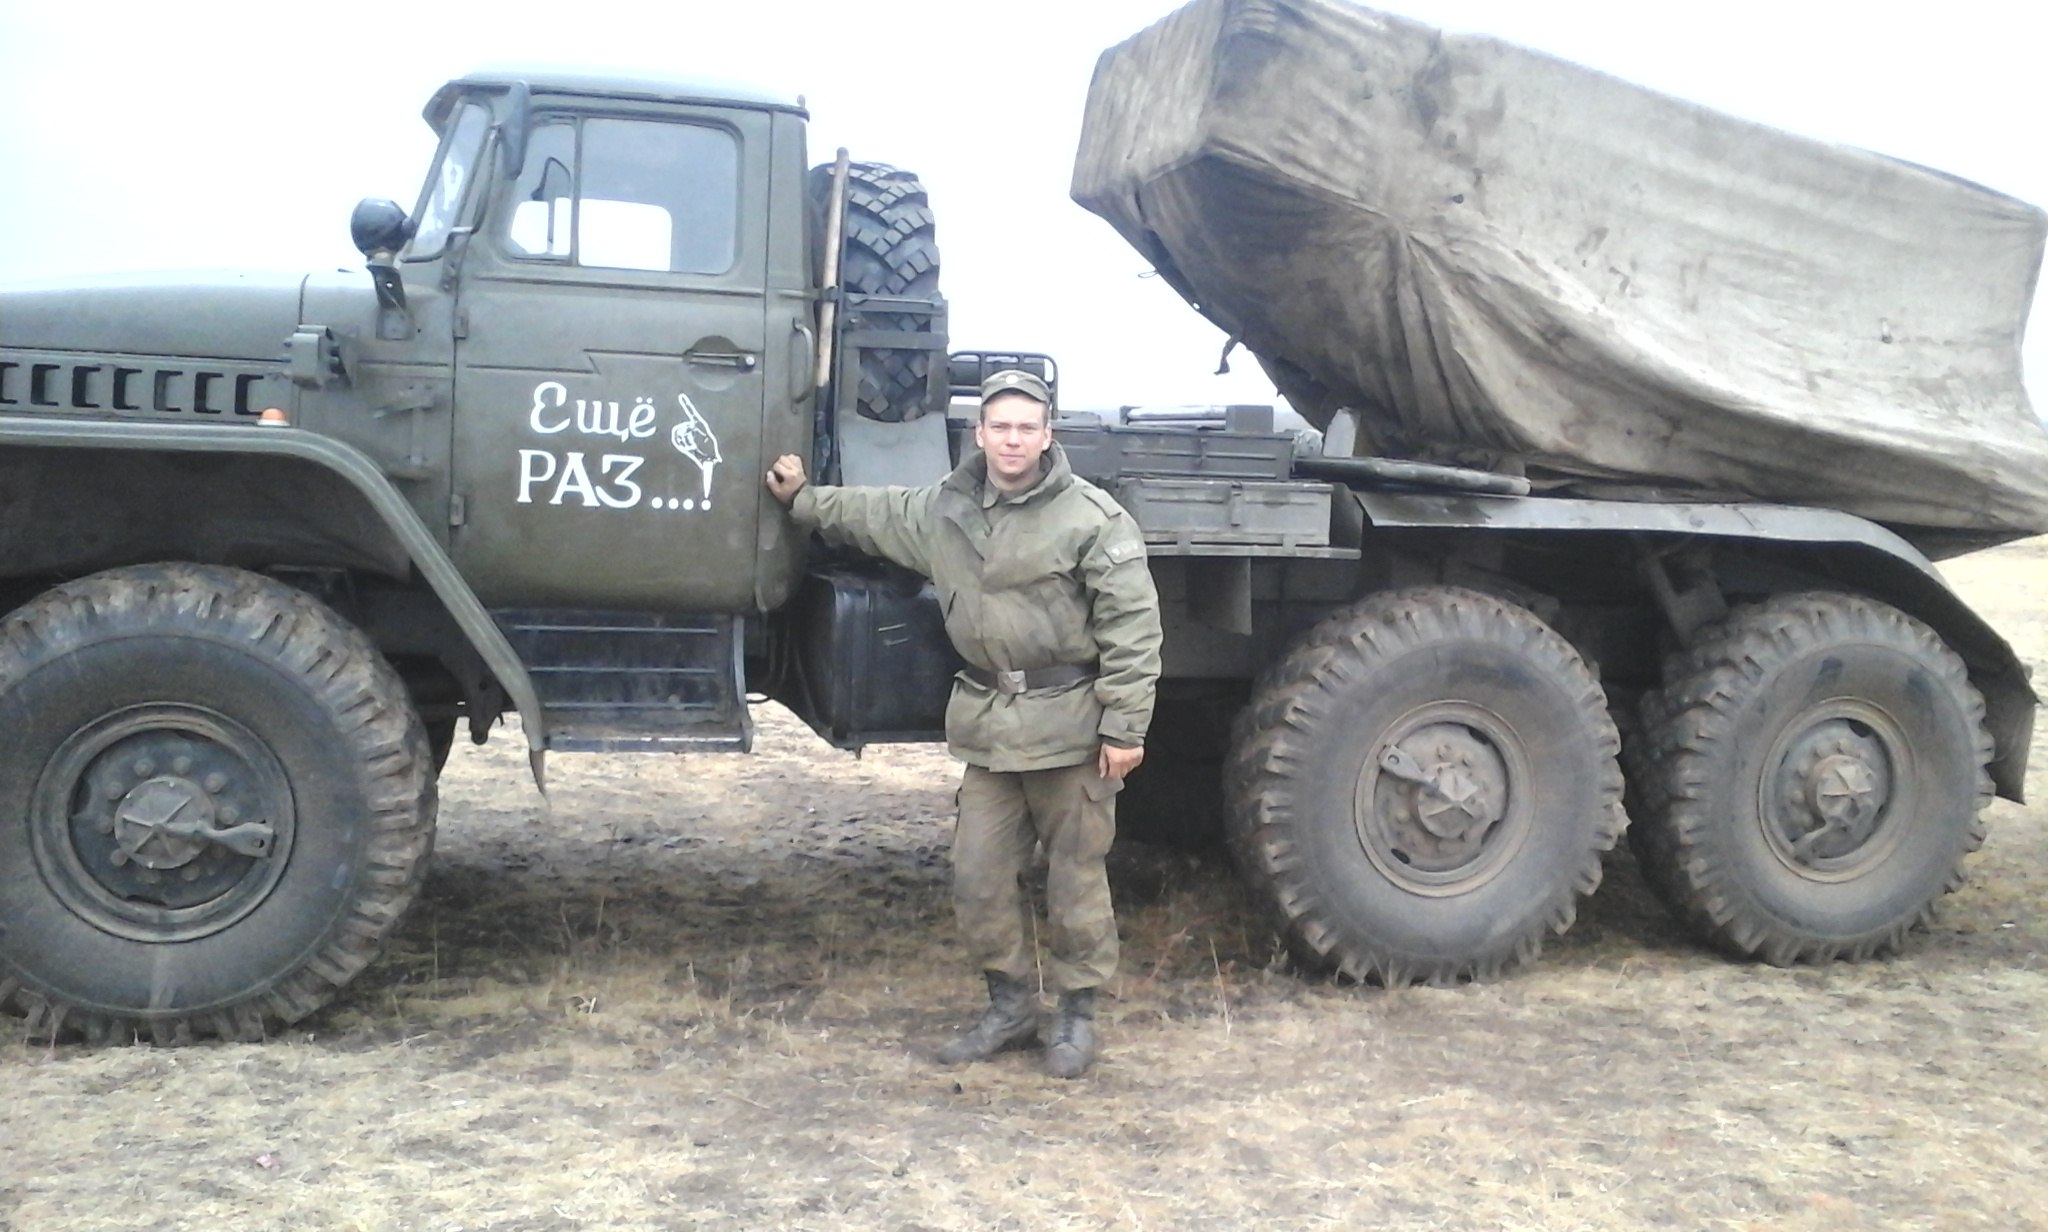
[{"x": 1014, "y": 434}]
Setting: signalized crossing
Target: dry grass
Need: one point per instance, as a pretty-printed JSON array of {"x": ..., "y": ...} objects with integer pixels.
[{"x": 699, "y": 994}]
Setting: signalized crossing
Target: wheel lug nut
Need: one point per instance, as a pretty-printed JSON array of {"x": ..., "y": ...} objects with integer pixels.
[
  {"x": 143, "y": 767},
  {"x": 216, "y": 781},
  {"x": 188, "y": 873},
  {"x": 117, "y": 857},
  {"x": 181, "y": 765},
  {"x": 229, "y": 814}
]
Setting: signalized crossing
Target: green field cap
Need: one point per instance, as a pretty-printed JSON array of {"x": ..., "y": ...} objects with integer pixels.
[{"x": 1016, "y": 380}]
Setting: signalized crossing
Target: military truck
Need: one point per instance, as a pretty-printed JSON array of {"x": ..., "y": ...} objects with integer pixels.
[{"x": 268, "y": 545}]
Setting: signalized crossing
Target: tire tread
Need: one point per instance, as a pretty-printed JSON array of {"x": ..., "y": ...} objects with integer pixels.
[
  {"x": 890, "y": 248},
  {"x": 1271, "y": 752},
  {"x": 374, "y": 719},
  {"x": 1690, "y": 721}
]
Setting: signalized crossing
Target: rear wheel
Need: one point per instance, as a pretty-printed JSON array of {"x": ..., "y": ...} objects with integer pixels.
[
  {"x": 1816, "y": 773},
  {"x": 1175, "y": 799},
  {"x": 1172, "y": 802},
  {"x": 215, "y": 803},
  {"x": 1423, "y": 787},
  {"x": 890, "y": 249}
]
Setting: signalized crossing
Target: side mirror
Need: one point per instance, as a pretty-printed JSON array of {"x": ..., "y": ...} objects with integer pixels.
[
  {"x": 380, "y": 229},
  {"x": 378, "y": 225}
]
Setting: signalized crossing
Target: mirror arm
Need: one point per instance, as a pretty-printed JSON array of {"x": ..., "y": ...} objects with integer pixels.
[
  {"x": 394, "y": 321},
  {"x": 451, "y": 260},
  {"x": 515, "y": 127}
]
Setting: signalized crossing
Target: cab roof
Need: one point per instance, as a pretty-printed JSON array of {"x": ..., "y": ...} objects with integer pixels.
[{"x": 590, "y": 82}]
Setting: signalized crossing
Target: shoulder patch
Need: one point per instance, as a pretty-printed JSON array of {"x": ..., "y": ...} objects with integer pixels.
[{"x": 1124, "y": 550}]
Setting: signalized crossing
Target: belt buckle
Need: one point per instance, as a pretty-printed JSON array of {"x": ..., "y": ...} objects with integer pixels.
[{"x": 1009, "y": 682}]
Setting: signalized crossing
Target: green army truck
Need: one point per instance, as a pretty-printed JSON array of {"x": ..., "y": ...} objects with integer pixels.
[{"x": 268, "y": 545}]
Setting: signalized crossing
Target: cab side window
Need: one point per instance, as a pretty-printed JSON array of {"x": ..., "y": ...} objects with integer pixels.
[{"x": 628, "y": 194}]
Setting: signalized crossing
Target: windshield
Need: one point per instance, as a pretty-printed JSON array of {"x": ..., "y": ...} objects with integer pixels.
[{"x": 441, "y": 204}]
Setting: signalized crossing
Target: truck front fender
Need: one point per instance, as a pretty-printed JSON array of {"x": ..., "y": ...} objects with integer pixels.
[
  {"x": 1882, "y": 564},
  {"x": 409, "y": 540}
]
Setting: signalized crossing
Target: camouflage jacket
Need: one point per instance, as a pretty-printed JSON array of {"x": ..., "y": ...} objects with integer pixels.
[{"x": 1054, "y": 575}]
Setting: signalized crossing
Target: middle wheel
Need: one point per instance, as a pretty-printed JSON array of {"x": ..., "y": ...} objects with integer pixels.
[{"x": 1423, "y": 786}]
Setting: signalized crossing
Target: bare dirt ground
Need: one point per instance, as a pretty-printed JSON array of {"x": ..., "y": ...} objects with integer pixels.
[{"x": 699, "y": 993}]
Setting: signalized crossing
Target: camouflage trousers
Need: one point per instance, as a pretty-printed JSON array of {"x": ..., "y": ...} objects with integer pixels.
[{"x": 1003, "y": 817}]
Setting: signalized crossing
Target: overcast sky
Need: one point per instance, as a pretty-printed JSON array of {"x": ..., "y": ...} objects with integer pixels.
[{"x": 240, "y": 134}]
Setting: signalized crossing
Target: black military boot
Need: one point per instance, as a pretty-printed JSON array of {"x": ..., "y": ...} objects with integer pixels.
[
  {"x": 1010, "y": 1021},
  {"x": 1070, "y": 1050}
]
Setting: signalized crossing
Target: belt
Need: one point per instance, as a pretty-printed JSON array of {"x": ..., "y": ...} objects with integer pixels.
[{"x": 1036, "y": 678}]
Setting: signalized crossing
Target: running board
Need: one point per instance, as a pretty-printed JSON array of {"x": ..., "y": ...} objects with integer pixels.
[{"x": 634, "y": 682}]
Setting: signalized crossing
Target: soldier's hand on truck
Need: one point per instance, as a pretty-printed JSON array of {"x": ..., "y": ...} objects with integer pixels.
[{"x": 786, "y": 478}]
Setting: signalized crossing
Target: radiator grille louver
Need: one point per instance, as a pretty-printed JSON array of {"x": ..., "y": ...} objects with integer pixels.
[{"x": 139, "y": 387}]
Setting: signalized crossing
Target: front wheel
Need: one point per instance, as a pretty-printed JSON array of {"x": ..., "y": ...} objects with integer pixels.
[
  {"x": 1422, "y": 788},
  {"x": 215, "y": 803},
  {"x": 1816, "y": 769}
]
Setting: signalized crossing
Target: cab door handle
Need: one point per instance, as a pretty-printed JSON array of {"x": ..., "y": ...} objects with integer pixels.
[
  {"x": 745, "y": 361},
  {"x": 802, "y": 358}
]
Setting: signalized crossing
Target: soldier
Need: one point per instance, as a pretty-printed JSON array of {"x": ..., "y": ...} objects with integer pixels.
[{"x": 1047, "y": 596}]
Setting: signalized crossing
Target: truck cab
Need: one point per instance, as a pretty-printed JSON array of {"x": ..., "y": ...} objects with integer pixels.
[
  {"x": 555, "y": 388},
  {"x": 601, "y": 283}
]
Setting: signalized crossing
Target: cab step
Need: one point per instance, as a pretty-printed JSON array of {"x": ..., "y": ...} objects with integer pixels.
[{"x": 635, "y": 682}]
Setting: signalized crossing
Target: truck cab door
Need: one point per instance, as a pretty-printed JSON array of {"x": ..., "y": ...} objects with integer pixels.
[{"x": 610, "y": 353}]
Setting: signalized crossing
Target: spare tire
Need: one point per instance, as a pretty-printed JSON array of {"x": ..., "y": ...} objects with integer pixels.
[{"x": 888, "y": 249}]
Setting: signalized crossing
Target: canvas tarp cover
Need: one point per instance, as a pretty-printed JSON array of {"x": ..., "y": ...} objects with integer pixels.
[{"x": 1493, "y": 255}]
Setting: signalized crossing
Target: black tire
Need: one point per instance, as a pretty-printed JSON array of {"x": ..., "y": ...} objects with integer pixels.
[
  {"x": 890, "y": 249},
  {"x": 1479, "y": 694},
  {"x": 1816, "y": 773},
  {"x": 440, "y": 743},
  {"x": 1645, "y": 796},
  {"x": 1172, "y": 802},
  {"x": 154, "y": 697},
  {"x": 1175, "y": 798}
]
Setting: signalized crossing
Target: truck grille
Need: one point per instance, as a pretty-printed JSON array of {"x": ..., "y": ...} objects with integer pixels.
[{"x": 138, "y": 387}]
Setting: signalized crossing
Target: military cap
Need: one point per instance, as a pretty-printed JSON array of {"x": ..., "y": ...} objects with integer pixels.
[{"x": 1016, "y": 380}]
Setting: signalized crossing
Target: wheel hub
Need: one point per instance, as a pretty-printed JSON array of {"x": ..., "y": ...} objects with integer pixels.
[
  {"x": 1438, "y": 792},
  {"x": 1843, "y": 791},
  {"x": 1831, "y": 792},
  {"x": 163, "y": 823},
  {"x": 158, "y": 825},
  {"x": 168, "y": 821}
]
